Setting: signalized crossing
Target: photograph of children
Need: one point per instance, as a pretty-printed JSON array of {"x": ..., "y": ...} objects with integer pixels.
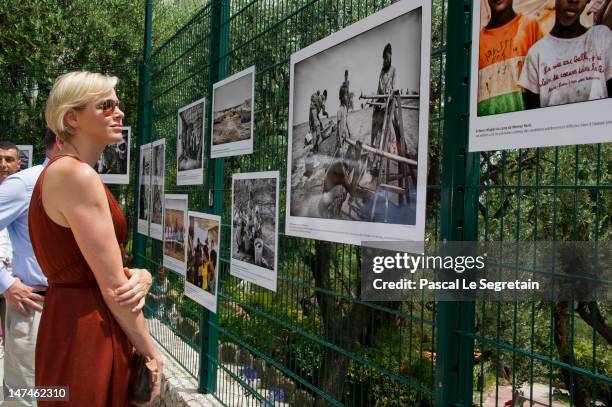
[
  {"x": 158, "y": 151},
  {"x": 190, "y": 144},
  {"x": 25, "y": 156},
  {"x": 114, "y": 163},
  {"x": 232, "y": 129},
  {"x": 254, "y": 232},
  {"x": 536, "y": 54},
  {"x": 144, "y": 180},
  {"x": 175, "y": 219},
  {"x": 203, "y": 259},
  {"x": 358, "y": 128}
]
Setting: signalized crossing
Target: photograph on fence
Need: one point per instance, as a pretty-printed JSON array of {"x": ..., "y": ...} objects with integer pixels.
[
  {"x": 175, "y": 220},
  {"x": 190, "y": 144},
  {"x": 25, "y": 156},
  {"x": 254, "y": 232},
  {"x": 144, "y": 189},
  {"x": 541, "y": 74},
  {"x": 158, "y": 157},
  {"x": 114, "y": 163},
  {"x": 232, "y": 106},
  {"x": 358, "y": 123},
  {"x": 203, "y": 239}
]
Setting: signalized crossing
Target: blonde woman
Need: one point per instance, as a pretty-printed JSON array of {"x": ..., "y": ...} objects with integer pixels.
[{"x": 85, "y": 336}]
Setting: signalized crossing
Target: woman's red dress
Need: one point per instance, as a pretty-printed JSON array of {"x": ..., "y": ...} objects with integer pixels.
[{"x": 80, "y": 344}]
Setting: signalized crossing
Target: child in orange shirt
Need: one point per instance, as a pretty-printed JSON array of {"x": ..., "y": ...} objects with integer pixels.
[{"x": 504, "y": 43}]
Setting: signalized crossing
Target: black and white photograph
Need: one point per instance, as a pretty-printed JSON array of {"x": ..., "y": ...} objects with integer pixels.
[
  {"x": 190, "y": 144},
  {"x": 542, "y": 73},
  {"x": 114, "y": 163},
  {"x": 254, "y": 240},
  {"x": 25, "y": 156},
  {"x": 144, "y": 189},
  {"x": 203, "y": 237},
  {"x": 358, "y": 130},
  {"x": 158, "y": 157},
  {"x": 233, "y": 103},
  {"x": 175, "y": 221}
]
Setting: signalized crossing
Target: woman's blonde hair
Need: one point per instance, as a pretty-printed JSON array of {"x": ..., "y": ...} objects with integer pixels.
[{"x": 73, "y": 91}]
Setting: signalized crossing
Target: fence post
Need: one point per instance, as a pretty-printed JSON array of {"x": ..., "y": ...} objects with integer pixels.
[
  {"x": 143, "y": 125},
  {"x": 455, "y": 351},
  {"x": 215, "y": 170}
]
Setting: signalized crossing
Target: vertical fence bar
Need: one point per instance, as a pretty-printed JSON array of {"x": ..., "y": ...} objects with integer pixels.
[
  {"x": 215, "y": 182},
  {"x": 144, "y": 127},
  {"x": 454, "y": 361}
]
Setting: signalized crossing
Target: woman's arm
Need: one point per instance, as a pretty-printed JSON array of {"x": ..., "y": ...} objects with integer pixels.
[
  {"x": 134, "y": 292},
  {"x": 74, "y": 196}
]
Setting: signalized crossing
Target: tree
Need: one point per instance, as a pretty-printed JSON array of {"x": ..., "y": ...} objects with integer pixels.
[{"x": 41, "y": 39}]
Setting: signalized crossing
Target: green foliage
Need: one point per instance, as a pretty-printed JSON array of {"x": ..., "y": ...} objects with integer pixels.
[
  {"x": 43, "y": 39},
  {"x": 404, "y": 354},
  {"x": 599, "y": 361},
  {"x": 170, "y": 15}
]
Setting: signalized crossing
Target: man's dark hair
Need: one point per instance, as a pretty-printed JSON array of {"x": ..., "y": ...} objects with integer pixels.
[
  {"x": 387, "y": 49},
  {"x": 325, "y": 93},
  {"x": 49, "y": 139},
  {"x": 8, "y": 145}
]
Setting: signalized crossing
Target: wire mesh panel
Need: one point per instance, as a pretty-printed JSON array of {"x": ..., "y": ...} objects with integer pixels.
[
  {"x": 541, "y": 352},
  {"x": 179, "y": 76},
  {"x": 554, "y": 353},
  {"x": 314, "y": 341}
]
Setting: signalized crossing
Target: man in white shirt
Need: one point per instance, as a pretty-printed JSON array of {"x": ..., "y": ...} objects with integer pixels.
[{"x": 9, "y": 164}]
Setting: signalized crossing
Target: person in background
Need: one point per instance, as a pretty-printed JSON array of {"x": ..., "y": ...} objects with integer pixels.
[
  {"x": 602, "y": 12},
  {"x": 9, "y": 159},
  {"x": 212, "y": 267},
  {"x": 9, "y": 164},
  {"x": 317, "y": 107},
  {"x": 386, "y": 87},
  {"x": 342, "y": 128},
  {"x": 86, "y": 337}
]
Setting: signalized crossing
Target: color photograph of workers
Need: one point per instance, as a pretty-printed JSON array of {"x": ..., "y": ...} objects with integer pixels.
[
  {"x": 202, "y": 258},
  {"x": 175, "y": 218}
]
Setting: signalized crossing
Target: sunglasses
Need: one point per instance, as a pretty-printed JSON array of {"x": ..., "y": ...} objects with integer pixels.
[{"x": 108, "y": 106}]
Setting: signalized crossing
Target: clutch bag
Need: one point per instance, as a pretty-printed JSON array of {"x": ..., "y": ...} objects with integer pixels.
[{"x": 143, "y": 376}]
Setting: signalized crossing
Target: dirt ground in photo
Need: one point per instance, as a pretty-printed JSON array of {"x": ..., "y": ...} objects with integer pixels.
[{"x": 309, "y": 170}]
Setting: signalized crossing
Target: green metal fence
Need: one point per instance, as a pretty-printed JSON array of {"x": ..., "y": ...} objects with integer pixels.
[{"x": 265, "y": 348}]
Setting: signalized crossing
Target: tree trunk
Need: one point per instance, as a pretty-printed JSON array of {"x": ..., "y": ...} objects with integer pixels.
[
  {"x": 343, "y": 323},
  {"x": 579, "y": 390}
]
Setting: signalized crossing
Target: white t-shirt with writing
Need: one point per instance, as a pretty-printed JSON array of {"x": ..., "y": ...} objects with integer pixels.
[{"x": 569, "y": 70}]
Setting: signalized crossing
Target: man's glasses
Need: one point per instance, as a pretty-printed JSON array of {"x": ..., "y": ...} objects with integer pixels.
[{"x": 108, "y": 106}]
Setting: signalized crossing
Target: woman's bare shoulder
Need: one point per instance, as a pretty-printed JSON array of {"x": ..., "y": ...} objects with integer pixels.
[{"x": 68, "y": 175}]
